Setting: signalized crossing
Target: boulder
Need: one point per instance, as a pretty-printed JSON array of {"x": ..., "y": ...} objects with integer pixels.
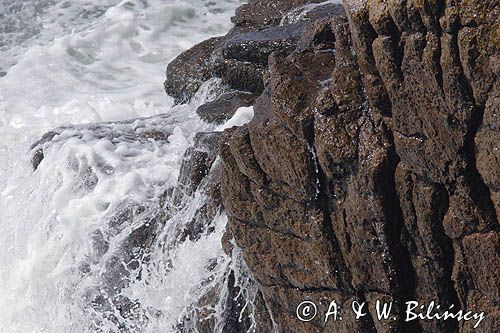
[
  {"x": 388, "y": 126},
  {"x": 259, "y": 14},
  {"x": 256, "y": 46},
  {"x": 190, "y": 69},
  {"x": 243, "y": 76},
  {"x": 370, "y": 169},
  {"x": 240, "y": 57},
  {"x": 224, "y": 107}
]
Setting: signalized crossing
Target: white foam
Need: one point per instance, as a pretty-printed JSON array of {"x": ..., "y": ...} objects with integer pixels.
[
  {"x": 81, "y": 62},
  {"x": 241, "y": 117}
]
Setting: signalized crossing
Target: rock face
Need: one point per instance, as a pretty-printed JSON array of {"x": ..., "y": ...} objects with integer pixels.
[
  {"x": 188, "y": 71},
  {"x": 371, "y": 168},
  {"x": 225, "y": 106},
  {"x": 239, "y": 59}
]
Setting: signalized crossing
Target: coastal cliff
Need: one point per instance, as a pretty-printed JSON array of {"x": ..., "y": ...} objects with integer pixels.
[{"x": 370, "y": 170}]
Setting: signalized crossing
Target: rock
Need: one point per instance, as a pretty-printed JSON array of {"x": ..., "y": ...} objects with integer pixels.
[
  {"x": 240, "y": 57},
  {"x": 190, "y": 69},
  {"x": 241, "y": 75},
  {"x": 224, "y": 106},
  {"x": 388, "y": 126},
  {"x": 423, "y": 206},
  {"x": 142, "y": 130},
  {"x": 259, "y": 14},
  {"x": 37, "y": 150},
  {"x": 313, "y": 11},
  {"x": 199, "y": 174},
  {"x": 257, "y": 46},
  {"x": 37, "y": 158},
  {"x": 370, "y": 169},
  {"x": 121, "y": 260},
  {"x": 198, "y": 160},
  {"x": 487, "y": 147}
]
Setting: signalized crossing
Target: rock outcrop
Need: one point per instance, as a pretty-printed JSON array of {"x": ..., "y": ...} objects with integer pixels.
[
  {"x": 371, "y": 168},
  {"x": 239, "y": 59},
  {"x": 225, "y": 106}
]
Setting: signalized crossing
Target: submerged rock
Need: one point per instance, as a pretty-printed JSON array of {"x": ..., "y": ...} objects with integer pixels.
[{"x": 142, "y": 130}]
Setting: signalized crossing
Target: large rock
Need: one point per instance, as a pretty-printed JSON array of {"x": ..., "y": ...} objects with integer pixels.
[
  {"x": 240, "y": 57},
  {"x": 259, "y": 14},
  {"x": 225, "y": 106},
  {"x": 257, "y": 46},
  {"x": 190, "y": 69},
  {"x": 370, "y": 168}
]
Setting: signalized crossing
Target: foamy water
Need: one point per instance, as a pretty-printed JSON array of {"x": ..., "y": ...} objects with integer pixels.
[{"x": 66, "y": 227}]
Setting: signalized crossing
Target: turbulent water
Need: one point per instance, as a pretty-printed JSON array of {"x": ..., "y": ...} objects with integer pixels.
[{"x": 68, "y": 229}]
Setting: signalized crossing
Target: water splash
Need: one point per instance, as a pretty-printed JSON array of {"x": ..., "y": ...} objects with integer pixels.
[{"x": 90, "y": 240}]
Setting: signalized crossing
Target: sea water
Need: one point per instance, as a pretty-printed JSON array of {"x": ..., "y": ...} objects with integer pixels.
[{"x": 90, "y": 68}]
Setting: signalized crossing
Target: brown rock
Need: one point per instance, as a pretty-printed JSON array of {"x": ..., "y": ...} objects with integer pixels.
[
  {"x": 190, "y": 69},
  {"x": 258, "y": 14},
  {"x": 257, "y": 46},
  {"x": 224, "y": 106},
  {"x": 370, "y": 169}
]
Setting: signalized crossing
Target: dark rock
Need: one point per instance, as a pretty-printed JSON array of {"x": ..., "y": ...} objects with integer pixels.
[
  {"x": 259, "y": 14},
  {"x": 257, "y": 46},
  {"x": 370, "y": 170},
  {"x": 37, "y": 158},
  {"x": 240, "y": 57},
  {"x": 313, "y": 11},
  {"x": 423, "y": 206},
  {"x": 200, "y": 174},
  {"x": 224, "y": 106},
  {"x": 37, "y": 155},
  {"x": 190, "y": 69},
  {"x": 198, "y": 160},
  {"x": 487, "y": 147},
  {"x": 242, "y": 76}
]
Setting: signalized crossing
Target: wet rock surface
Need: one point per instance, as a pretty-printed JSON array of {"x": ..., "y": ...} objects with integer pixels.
[
  {"x": 225, "y": 106},
  {"x": 257, "y": 46},
  {"x": 259, "y": 14},
  {"x": 369, "y": 172},
  {"x": 188, "y": 71},
  {"x": 240, "y": 59},
  {"x": 141, "y": 131},
  {"x": 370, "y": 169},
  {"x": 136, "y": 221}
]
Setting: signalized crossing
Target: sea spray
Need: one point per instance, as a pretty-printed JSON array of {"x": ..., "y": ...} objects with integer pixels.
[{"x": 70, "y": 260}]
